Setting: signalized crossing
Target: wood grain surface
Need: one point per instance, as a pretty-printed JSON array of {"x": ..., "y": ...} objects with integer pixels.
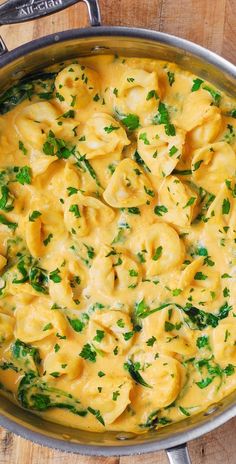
[{"x": 211, "y": 23}]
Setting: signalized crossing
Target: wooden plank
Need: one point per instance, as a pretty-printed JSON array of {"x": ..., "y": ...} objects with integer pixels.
[
  {"x": 229, "y": 42},
  {"x": 211, "y": 23}
]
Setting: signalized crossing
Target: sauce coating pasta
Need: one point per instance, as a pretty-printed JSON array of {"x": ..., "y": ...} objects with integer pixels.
[{"x": 117, "y": 244}]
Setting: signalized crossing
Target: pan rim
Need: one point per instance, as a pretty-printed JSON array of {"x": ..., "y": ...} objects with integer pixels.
[{"x": 226, "y": 67}]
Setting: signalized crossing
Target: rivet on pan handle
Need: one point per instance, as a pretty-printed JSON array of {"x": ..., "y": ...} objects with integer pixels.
[
  {"x": 16, "y": 11},
  {"x": 178, "y": 455}
]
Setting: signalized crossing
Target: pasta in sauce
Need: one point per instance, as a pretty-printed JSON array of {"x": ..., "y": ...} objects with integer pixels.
[{"x": 117, "y": 244}]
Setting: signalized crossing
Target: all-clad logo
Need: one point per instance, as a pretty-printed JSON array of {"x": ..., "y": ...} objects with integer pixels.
[{"x": 38, "y": 6}]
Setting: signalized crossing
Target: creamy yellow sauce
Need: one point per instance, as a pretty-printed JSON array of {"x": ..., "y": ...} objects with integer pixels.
[{"x": 118, "y": 244}]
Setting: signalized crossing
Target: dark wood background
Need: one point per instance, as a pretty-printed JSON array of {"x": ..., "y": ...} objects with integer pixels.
[{"x": 211, "y": 23}]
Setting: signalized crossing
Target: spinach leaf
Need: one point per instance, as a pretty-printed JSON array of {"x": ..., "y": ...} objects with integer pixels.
[
  {"x": 133, "y": 369},
  {"x": 8, "y": 365},
  {"x": 140, "y": 161},
  {"x": 199, "y": 319},
  {"x": 25, "y": 88},
  {"x": 32, "y": 273},
  {"x": 35, "y": 394},
  {"x": 84, "y": 164},
  {"x": 26, "y": 357},
  {"x": 38, "y": 278},
  {"x": 142, "y": 311},
  {"x": 7, "y": 199},
  {"x": 152, "y": 421}
]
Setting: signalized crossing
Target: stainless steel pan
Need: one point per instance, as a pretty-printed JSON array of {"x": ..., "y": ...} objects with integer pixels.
[{"x": 130, "y": 42}]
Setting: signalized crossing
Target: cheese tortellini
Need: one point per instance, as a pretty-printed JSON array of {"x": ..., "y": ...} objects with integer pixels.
[
  {"x": 63, "y": 363},
  {"x": 161, "y": 247},
  {"x": 118, "y": 244},
  {"x": 81, "y": 212},
  {"x": 41, "y": 322},
  {"x": 76, "y": 85},
  {"x": 7, "y": 324},
  {"x": 114, "y": 271},
  {"x": 171, "y": 331},
  {"x": 114, "y": 325},
  {"x": 179, "y": 201},
  {"x": 164, "y": 380},
  {"x": 138, "y": 92},
  {"x": 36, "y": 120},
  {"x": 161, "y": 152},
  {"x": 221, "y": 215},
  {"x": 200, "y": 118},
  {"x": 128, "y": 186},
  {"x": 209, "y": 167},
  {"x": 33, "y": 237},
  {"x": 102, "y": 135},
  {"x": 224, "y": 342},
  {"x": 103, "y": 400},
  {"x": 199, "y": 280}
]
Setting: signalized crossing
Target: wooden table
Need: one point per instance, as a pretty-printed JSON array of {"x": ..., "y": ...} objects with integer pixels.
[{"x": 211, "y": 23}]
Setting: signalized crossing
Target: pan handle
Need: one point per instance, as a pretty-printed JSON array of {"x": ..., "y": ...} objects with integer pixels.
[
  {"x": 178, "y": 455},
  {"x": 16, "y": 11}
]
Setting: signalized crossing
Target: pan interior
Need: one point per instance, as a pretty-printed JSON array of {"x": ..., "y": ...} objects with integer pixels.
[{"x": 69, "y": 45}]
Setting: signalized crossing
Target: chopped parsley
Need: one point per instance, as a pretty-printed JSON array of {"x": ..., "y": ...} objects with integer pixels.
[
  {"x": 88, "y": 353},
  {"x": 133, "y": 273},
  {"x": 143, "y": 137},
  {"x": 6, "y": 222},
  {"x": 215, "y": 95},
  {"x": 34, "y": 215},
  {"x": 68, "y": 115},
  {"x": 110, "y": 129},
  {"x": 55, "y": 276},
  {"x": 128, "y": 335},
  {"x": 173, "y": 150},
  {"x": 152, "y": 94},
  {"x": 149, "y": 192},
  {"x": 200, "y": 276},
  {"x": 24, "y": 175},
  {"x": 133, "y": 210},
  {"x": 100, "y": 334},
  {"x": 226, "y": 206},
  {"x": 54, "y": 146},
  {"x": 190, "y": 202},
  {"x": 48, "y": 239},
  {"x": 202, "y": 341},
  {"x": 160, "y": 210},
  {"x": 158, "y": 253},
  {"x": 76, "y": 324},
  {"x": 48, "y": 326},
  {"x": 75, "y": 210},
  {"x": 151, "y": 341},
  {"x": 205, "y": 382},
  {"x": 131, "y": 121},
  {"x": 171, "y": 77},
  {"x": 196, "y": 84},
  {"x": 184, "y": 411},
  {"x": 163, "y": 117},
  {"x": 22, "y": 147}
]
